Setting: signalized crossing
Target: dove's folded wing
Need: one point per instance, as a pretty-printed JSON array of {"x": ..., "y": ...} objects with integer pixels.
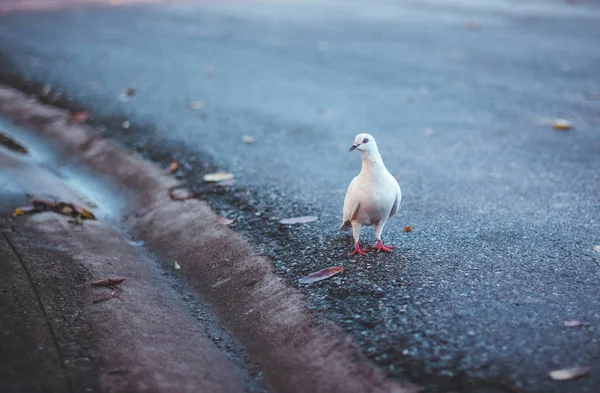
[
  {"x": 396, "y": 202},
  {"x": 351, "y": 205}
]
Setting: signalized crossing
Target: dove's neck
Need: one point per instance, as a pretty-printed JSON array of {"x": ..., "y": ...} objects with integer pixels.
[{"x": 372, "y": 161}]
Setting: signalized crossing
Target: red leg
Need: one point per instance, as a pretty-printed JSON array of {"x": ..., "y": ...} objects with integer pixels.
[
  {"x": 380, "y": 247},
  {"x": 358, "y": 250}
]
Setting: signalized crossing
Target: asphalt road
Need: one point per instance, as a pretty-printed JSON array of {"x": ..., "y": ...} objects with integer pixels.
[{"x": 460, "y": 98}]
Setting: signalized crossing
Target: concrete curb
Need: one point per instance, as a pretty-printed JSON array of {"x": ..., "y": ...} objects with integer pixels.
[{"x": 270, "y": 319}]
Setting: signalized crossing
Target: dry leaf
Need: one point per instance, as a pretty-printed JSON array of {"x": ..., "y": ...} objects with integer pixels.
[
  {"x": 407, "y": 229},
  {"x": 224, "y": 221},
  {"x": 173, "y": 167},
  {"x": 18, "y": 212},
  {"x": 248, "y": 139},
  {"x": 562, "y": 125},
  {"x": 569, "y": 373},
  {"x": 572, "y": 323},
  {"x": 176, "y": 266},
  {"x": 298, "y": 220},
  {"x": 130, "y": 92},
  {"x": 597, "y": 248},
  {"x": 321, "y": 275},
  {"x": 218, "y": 177},
  {"x": 79, "y": 117},
  {"x": 196, "y": 105}
]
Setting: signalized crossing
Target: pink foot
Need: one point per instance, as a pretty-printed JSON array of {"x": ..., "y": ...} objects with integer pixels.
[
  {"x": 380, "y": 247},
  {"x": 358, "y": 250}
]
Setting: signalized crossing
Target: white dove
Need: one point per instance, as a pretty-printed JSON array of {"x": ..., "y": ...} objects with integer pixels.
[{"x": 372, "y": 197}]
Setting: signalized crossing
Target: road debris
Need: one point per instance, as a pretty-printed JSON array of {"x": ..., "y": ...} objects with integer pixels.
[
  {"x": 218, "y": 177},
  {"x": 597, "y": 248},
  {"x": 108, "y": 282},
  {"x": 130, "y": 92},
  {"x": 126, "y": 124},
  {"x": 566, "y": 374},
  {"x": 224, "y": 221},
  {"x": 321, "y": 275},
  {"x": 174, "y": 166},
  {"x": 298, "y": 220},
  {"x": 407, "y": 228},
  {"x": 248, "y": 139},
  {"x": 180, "y": 194},
  {"x": 112, "y": 283},
  {"x": 64, "y": 208},
  {"x": 473, "y": 26},
  {"x": 176, "y": 266},
  {"x": 562, "y": 125},
  {"x": 196, "y": 105},
  {"x": 79, "y": 117},
  {"x": 572, "y": 323}
]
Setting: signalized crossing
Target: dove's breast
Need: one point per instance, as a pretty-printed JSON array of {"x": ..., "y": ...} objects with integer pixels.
[{"x": 377, "y": 198}]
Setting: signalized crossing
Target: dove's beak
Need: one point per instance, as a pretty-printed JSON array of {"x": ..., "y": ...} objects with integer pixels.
[{"x": 353, "y": 147}]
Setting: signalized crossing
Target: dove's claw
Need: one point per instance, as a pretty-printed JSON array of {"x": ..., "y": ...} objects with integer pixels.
[
  {"x": 380, "y": 247},
  {"x": 358, "y": 250}
]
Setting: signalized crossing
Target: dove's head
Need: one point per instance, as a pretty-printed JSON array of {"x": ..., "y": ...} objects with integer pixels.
[{"x": 365, "y": 143}]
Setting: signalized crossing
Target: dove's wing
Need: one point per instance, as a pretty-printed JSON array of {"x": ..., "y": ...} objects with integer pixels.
[
  {"x": 351, "y": 204},
  {"x": 397, "y": 200}
]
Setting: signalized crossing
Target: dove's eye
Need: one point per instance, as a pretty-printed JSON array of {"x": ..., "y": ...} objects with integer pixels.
[{"x": 365, "y": 140}]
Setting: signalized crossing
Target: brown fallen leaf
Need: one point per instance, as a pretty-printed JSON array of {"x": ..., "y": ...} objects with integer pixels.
[
  {"x": 566, "y": 374},
  {"x": 597, "y": 248},
  {"x": 224, "y": 221},
  {"x": 79, "y": 117},
  {"x": 108, "y": 282},
  {"x": 562, "y": 125},
  {"x": 173, "y": 167},
  {"x": 130, "y": 92},
  {"x": 218, "y": 177},
  {"x": 248, "y": 139},
  {"x": 298, "y": 220},
  {"x": 407, "y": 229},
  {"x": 18, "y": 212},
  {"x": 321, "y": 275},
  {"x": 572, "y": 323}
]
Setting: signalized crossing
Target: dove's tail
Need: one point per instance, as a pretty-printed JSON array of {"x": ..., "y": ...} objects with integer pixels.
[{"x": 345, "y": 225}]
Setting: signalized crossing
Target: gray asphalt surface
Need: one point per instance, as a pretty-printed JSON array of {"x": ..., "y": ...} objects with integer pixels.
[{"x": 504, "y": 208}]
